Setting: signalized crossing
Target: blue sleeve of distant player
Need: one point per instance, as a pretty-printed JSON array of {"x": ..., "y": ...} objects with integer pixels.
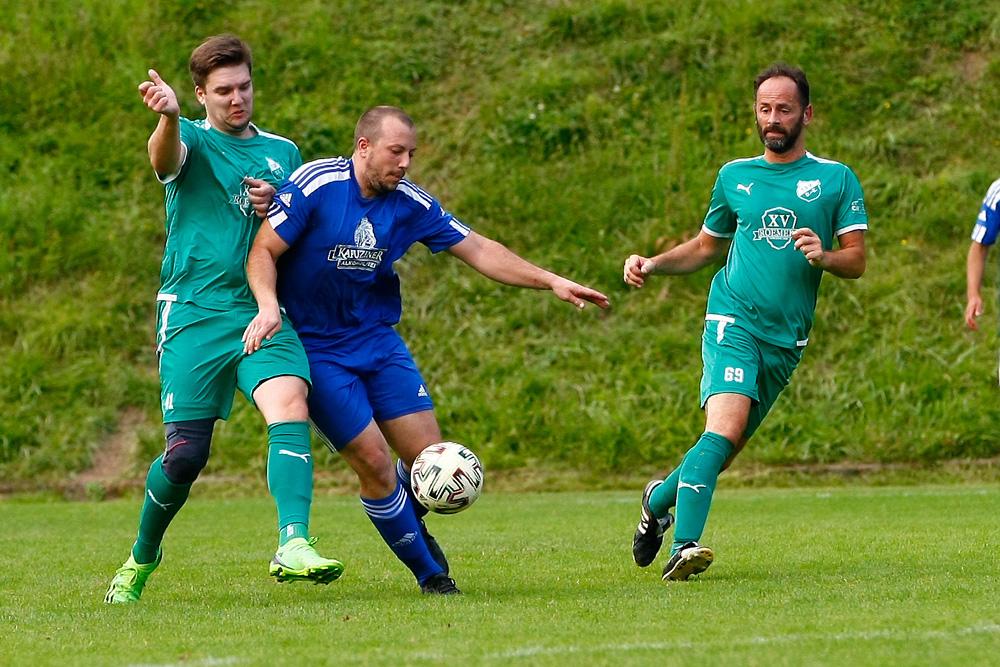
[
  {"x": 851, "y": 213},
  {"x": 290, "y": 212},
  {"x": 720, "y": 221},
  {"x": 988, "y": 223}
]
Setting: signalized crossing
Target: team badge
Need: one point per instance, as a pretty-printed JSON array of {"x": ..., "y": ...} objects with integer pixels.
[
  {"x": 808, "y": 190},
  {"x": 275, "y": 168},
  {"x": 363, "y": 255},
  {"x": 776, "y": 227}
]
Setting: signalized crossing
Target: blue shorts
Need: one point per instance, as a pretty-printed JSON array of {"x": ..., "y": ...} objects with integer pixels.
[{"x": 373, "y": 377}]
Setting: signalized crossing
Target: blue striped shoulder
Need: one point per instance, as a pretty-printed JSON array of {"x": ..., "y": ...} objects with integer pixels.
[
  {"x": 313, "y": 175},
  {"x": 415, "y": 193},
  {"x": 992, "y": 197}
]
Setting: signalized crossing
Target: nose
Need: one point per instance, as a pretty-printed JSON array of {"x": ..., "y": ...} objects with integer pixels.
[{"x": 404, "y": 161}]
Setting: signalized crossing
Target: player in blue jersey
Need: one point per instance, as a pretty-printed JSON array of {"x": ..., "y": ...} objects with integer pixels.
[
  {"x": 338, "y": 225},
  {"x": 776, "y": 216},
  {"x": 984, "y": 235},
  {"x": 217, "y": 173}
]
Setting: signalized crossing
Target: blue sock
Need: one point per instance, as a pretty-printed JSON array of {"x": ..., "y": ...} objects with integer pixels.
[
  {"x": 404, "y": 478},
  {"x": 397, "y": 524}
]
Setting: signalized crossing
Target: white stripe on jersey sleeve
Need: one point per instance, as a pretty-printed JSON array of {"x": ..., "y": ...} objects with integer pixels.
[
  {"x": 993, "y": 195},
  {"x": 415, "y": 193},
  {"x": 853, "y": 228},
  {"x": 717, "y": 235},
  {"x": 276, "y": 218},
  {"x": 459, "y": 227}
]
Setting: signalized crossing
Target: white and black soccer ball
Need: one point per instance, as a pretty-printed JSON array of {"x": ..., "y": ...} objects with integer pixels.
[{"x": 446, "y": 478}]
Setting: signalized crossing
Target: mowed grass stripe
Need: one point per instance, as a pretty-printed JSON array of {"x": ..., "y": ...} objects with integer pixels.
[{"x": 860, "y": 576}]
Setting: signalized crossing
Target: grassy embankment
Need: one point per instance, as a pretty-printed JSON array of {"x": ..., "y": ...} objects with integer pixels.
[{"x": 576, "y": 133}]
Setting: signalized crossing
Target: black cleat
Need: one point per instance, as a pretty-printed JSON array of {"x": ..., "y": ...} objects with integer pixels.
[
  {"x": 439, "y": 584},
  {"x": 432, "y": 545},
  {"x": 692, "y": 558},
  {"x": 648, "y": 536}
]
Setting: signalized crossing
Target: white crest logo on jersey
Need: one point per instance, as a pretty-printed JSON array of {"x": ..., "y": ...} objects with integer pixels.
[
  {"x": 776, "y": 227},
  {"x": 422, "y": 392},
  {"x": 745, "y": 188},
  {"x": 364, "y": 235},
  {"x": 808, "y": 190},
  {"x": 285, "y": 198},
  {"x": 363, "y": 254},
  {"x": 275, "y": 168},
  {"x": 858, "y": 206}
]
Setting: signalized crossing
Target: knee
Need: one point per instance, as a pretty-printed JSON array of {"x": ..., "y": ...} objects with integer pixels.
[{"x": 188, "y": 446}]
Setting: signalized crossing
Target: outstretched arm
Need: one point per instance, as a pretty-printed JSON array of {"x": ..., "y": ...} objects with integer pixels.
[
  {"x": 262, "y": 274},
  {"x": 166, "y": 151},
  {"x": 848, "y": 262},
  {"x": 975, "y": 266},
  {"x": 497, "y": 262},
  {"x": 688, "y": 257}
]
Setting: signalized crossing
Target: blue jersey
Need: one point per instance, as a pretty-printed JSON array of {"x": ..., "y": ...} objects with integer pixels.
[
  {"x": 988, "y": 223},
  {"x": 337, "y": 277}
]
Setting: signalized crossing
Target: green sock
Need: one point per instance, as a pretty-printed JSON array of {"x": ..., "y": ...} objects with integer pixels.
[
  {"x": 163, "y": 500},
  {"x": 664, "y": 496},
  {"x": 290, "y": 477},
  {"x": 698, "y": 475}
]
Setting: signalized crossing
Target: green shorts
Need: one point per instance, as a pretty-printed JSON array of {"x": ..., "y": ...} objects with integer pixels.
[
  {"x": 202, "y": 361},
  {"x": 736, "y": 362}
]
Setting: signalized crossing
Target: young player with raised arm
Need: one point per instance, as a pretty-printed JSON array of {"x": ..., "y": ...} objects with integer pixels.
[{"x": 220, "y": 175}]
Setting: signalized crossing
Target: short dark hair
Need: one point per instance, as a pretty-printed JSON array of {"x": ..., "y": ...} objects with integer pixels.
[
  {"x": 218, "y": 51},
  {"x": 370, "y": 123},
  {"x": 784, "y": 69}
]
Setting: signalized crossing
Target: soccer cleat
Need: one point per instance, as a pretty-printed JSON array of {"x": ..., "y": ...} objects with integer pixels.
[
  {"x": 297, "y": 560},
  {"x": 692, "y": 558},
  {"x": 432, "y": 545},
  {"x": 130, "y": 579},
  {"x": 439, "y": 584},
  {"x": 648, "y": 536}
]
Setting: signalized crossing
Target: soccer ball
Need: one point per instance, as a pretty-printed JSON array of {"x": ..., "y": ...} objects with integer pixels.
[{"x": 446, "y": 477}]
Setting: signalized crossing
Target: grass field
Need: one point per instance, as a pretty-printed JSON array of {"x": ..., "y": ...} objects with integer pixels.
[{"x": 833, "y": 576}]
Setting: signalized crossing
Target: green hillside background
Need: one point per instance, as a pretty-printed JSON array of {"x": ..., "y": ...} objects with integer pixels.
[{"x": 574, "y": 131}]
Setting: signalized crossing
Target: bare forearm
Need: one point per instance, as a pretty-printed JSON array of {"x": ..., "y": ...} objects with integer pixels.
[
  {"x": 975, "y": 267},
  {"x": 262, "y": 276},
  {"x": 847, "y": 263},
  {"x": 497, "y": 262},
  {"x": 689, "y": 256},
  {"x": 165, "y": 146}
]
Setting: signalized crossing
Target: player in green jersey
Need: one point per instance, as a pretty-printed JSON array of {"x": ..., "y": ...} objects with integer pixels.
[
  {"x": 777, "y": 216},
  {"x": 220, "y": 176}
]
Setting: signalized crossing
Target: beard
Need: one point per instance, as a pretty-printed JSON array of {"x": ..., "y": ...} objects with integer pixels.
[
  {"x": 784, "y": 143},
  {"x": 378, "y": 184}
]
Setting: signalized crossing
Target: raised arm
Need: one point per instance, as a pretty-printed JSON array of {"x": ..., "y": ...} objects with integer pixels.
[
  {"x": 262, "y": 275},
  {"x": 166, "y": 152},
  {"x": 497, "y": 262},
  {"x": 688, "y": 257}
]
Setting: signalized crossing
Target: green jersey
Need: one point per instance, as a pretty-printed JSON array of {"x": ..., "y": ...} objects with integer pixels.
[
  {"x": 210, "y": 221},
  {"x": 767, "y": 287}
]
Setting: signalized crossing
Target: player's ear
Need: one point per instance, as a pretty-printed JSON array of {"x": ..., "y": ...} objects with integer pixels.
[
  {"x": 807, "y": 114},
  {"x": 200, "y": 93}
]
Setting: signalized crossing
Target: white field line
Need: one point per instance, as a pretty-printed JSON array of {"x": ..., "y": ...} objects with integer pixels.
[
  {"x": 204, "y": 662},
  {"x": 873, "y": 635}
]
